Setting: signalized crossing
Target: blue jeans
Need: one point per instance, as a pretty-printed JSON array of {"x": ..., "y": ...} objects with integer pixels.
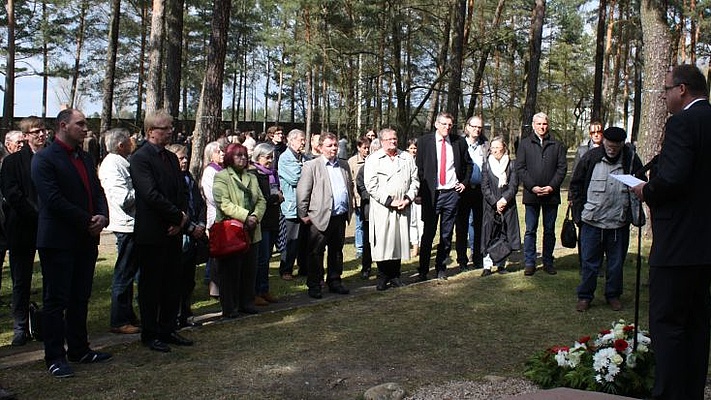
[
  {"x": 125, "y": 270},
  {"x": 264, "y": 253},
  {"x": 358, "y": 239},
  {"x": 533, "y": 212},
  {"x": 594, "y": 244}
]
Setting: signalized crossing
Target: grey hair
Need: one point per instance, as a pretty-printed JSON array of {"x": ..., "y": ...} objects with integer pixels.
[
  {"x": 11, "y": 136},
  {"x": 540, "y": 115},
  {"x": 114, "y": 137},
  {"x": 375, "y": 145},
  {"x": 262, "y": 149},
  {"x": 210, "y": 149},
  {"x": 384, "y": 131},
  {"x": 294, "y": 133}
]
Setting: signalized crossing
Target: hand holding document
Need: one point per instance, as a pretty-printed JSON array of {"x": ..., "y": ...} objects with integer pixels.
[{"x": 629, "y": 180}]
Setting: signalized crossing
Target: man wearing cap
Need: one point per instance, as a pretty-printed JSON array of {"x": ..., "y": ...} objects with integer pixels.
[{"x": 601, "y": 207}]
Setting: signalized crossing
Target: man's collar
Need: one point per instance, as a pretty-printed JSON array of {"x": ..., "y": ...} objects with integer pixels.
[{"x": 696, "y": 100}]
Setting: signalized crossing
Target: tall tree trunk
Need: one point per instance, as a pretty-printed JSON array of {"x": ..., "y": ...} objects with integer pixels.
[
  {"x": 454, "y": 93},
  {"x": 280, "y": 88},
  {"x": 173, "y": 55},
  {"x": 8, "y": 109},
  {"x": 266, "y": 93},
  {"x": 599, "y": 56},
  {"x": 142, "y": 62},
  {"x": 45, "y": 61},
  {"x": 479, "y": 74},
  {"x": 656, "y": 54},
  {"x": 208, "y": 120},
  {"x": 534, "y": 50},
  {"x": 77, "y": 55},
  {"x": 108, "y": 99},
  {"x": 154, "y": 80}
]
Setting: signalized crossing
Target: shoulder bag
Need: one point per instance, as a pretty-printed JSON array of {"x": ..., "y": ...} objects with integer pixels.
[{"x": 569, "y": 233}]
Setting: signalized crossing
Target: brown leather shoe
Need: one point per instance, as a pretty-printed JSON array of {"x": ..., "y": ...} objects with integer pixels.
[
  {"x": 260, "y": 301},
  {"x": 268, "y": 297},
  {"x": 614, "y": 303},
  {"x": 529, "y": 270},
  {"x": 583, "y": 305},
  {"x": 127, "y": 329}
]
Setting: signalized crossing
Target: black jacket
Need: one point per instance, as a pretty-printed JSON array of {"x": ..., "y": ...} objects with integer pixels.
[
  {"x": 270, "y": 220},
  {"x": 21, "y": 204},
  {"x": 541, "y": 165}
]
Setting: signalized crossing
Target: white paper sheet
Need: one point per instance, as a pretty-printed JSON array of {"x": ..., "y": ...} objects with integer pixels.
[{"x": 629, "y": 180}]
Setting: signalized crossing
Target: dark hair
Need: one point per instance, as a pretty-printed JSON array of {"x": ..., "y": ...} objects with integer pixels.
[
  {"x": 64, "y": 116},
  {"x": 232, "y": 150},
  {"x": 411, "y": 142},
  {"x": 327, "y": 135},
  {"x": 363, "y": 140},
  {"x": 691, "y": 77}
]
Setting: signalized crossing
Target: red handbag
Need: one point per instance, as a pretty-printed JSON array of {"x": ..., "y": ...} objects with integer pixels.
[{"x": 228, "y": 237}]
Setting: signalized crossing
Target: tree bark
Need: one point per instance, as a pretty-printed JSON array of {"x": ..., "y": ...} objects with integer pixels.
[
  {"x": 208, "y": 120},
  {"x": 656, "y": 57},
  {"x": 454, "y": 92},
  {"x": 77, "y": 55},
  {"x": 154, "y": 80},
  {"x": 534, "y": 50},
  {"x": 108, "y": 98},
  {"x": 173, "y": 55},
  {"x": 599, "y": 56},
  {"x": 8, "y": 109}
]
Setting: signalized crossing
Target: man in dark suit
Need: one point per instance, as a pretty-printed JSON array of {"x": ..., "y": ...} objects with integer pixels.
[
  {"x": 21, "y": 222},
  {"x": 442, "y": 166},
  {"x": 680, "y": 258},
  {"x": 161, "y": 205},
  {"x": 72, "y": 213},
  {"x": 324, "y": 202}
]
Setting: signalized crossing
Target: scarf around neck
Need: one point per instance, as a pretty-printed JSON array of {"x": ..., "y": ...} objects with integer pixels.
[{"x": 498, "y": 168}]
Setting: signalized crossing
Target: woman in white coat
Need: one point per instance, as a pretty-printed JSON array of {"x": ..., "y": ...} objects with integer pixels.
[{"x": 391, "y": 180}]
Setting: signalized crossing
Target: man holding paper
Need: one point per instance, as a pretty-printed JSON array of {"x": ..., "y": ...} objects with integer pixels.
[
  {"x": 602, "y": 208},
  {"x": 678, "y": 196}
]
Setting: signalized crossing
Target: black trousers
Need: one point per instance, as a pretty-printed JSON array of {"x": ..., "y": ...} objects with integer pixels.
[
  {"x": 159, "y": 288},
  {"x": 333, "y": 237},
  {"x": 471, "y": 201},
  {"x": 444, "y": 210},
  {"x": 237, "y": 277},
  {"x": 679, "y": 310},
  {"x": 389, "y": 269}
]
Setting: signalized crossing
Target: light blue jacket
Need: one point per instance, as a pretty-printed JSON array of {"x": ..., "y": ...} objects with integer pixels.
[{"x": 289, "y": 174}]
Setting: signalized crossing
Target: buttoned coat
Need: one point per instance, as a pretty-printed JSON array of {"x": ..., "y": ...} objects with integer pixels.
[
  {"x": 230, "y": 200},
  {"x": 541, "y": 164},
  {"x": 314, "y": 198},
  {"x": 386, "y": 180}
]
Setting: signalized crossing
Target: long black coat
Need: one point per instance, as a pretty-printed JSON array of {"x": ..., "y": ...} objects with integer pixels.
[{"x": 492, "y": 193}]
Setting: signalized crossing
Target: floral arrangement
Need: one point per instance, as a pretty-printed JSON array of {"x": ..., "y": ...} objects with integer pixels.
[{"x": 606, "y": 364}]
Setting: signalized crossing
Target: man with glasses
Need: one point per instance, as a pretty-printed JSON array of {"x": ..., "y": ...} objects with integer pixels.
[
  {"x": 442, "y": 167},
  {"x": 680, "y": 259},
  {"x": 161, "y": 214},
  {"x": 471, "y": 203},
  {"x": 21, "y": 210},
  {"x": 594, "y": 141}
]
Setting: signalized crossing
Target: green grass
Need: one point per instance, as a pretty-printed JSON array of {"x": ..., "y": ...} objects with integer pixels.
[{"x": 460, "y": 329}]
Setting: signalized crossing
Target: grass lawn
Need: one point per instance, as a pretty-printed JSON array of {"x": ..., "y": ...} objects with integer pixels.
[{"x": 460, "y": 329}]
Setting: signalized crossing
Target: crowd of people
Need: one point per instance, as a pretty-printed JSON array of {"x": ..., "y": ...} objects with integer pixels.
[{"x": 56, "y": 203}]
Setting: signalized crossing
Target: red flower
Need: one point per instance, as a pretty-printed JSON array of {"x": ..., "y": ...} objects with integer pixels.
[
  {"x": 556, "y": 349},
  {"x": 628, "y": 328},
  {"x": 620, "y": 345},
  {"x": 584, "y": 339}
]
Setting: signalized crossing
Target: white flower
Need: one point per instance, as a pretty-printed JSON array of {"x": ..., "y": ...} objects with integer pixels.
[{"x": 562, "y": 358}]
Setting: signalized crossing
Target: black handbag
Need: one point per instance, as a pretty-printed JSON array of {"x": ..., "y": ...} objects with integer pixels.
[
  {"x": 498, "y": 246},
  {"x": 569, "y": 233}
]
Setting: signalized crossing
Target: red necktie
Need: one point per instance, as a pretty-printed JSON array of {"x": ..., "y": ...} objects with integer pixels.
[{"x": 443, "y": 164}]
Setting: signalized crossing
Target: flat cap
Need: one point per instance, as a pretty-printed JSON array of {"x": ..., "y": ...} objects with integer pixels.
[{"x": 615, "y": 134}]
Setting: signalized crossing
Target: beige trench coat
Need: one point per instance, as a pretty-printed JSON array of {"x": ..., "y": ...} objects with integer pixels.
[{"x": 390, "y": 178}]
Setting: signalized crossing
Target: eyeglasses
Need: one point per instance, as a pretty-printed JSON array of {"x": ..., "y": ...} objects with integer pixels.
[
  {"x": 474, "y": 126},
  {"x": 36, "y": 132},
  {"x": 668, "y": 88}
]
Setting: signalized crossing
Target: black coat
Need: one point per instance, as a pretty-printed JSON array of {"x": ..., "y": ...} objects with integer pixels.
[
  {"x": 541, "y": 165},
  {"x": 492, "y": 193},
  {"x": 161, "y": 196},
  {"x": 270, "y": 220},
  {"x": 364, "y": 195},
  {"x": 21, "y": 204},
  {"x": 427, "y": 168}
]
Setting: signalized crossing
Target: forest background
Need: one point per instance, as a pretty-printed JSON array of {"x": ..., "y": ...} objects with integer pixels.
[{"x": 350, "y": 65}]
